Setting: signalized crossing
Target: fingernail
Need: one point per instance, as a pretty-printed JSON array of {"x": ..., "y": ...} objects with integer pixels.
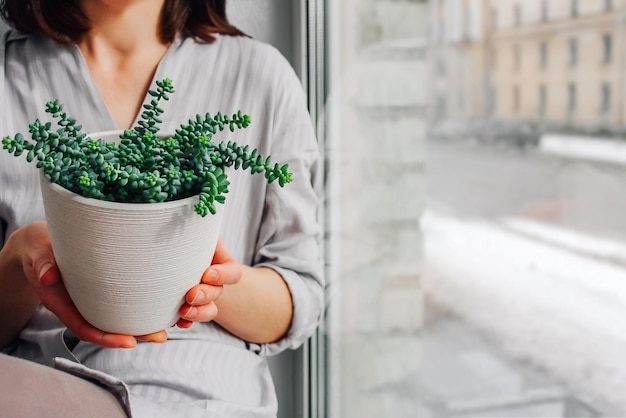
[
  {"x": 44, "y": 269},
  {"x": 199, "y": 296},
  {"x": 190, "y": 313},
  {"x": 210, "y": 276}
]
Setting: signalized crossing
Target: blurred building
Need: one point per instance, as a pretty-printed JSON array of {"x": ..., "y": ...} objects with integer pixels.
[{"x": 560, "y": 63}]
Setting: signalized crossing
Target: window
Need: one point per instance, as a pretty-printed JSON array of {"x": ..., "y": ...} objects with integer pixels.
[
  {"x": 543, "y": 100},
  {"x": 518, "y": 14},
  {"x": 543, "y": 54},
  {"x": 605, "y": 105},
  {"x": 608, "y": 5},
  {"x": 400, "y": 100},
  {"x": 573, "y": 52},
  {"x": 571, "y": 99},
  {"x": 538, "y": 182},
  {"x": 492, "y": 100},
  {"x": 607, "y": 47}
]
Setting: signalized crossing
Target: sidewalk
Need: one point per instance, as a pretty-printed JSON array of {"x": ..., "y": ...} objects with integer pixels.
[
  {"x": 550, "y": 297},
  {"x": 587, "y": 148}
]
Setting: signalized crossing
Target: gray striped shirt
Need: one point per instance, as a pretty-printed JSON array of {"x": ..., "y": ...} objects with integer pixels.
[{"x": 204, "y": 370}]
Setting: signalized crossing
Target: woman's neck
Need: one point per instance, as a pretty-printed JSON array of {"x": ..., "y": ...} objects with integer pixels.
[
  {"x": 122, "y": 50},
  {"x": 121, "y": 28}
]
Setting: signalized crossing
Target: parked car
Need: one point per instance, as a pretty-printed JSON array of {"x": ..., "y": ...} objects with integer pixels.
[{"x": 520, "y": 134}]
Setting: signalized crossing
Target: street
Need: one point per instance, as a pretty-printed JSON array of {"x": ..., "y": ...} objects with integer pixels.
[
  {"x": 491, "y": 181},
  {"x": 528, "y": 249}
]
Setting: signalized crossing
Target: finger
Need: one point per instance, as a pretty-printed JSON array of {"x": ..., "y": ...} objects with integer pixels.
[
  {"x": 43, "y": 274},
  {"x": 183, "y": 323},
  {"x": 224, "y": 268},
  {"x": 222, "y": 274},
  {"x": 57, "y": 300},
  {"x": 49, "y": 274},
  {"x": 221, "y": 254},
  {"x": 200, "y": 313},
  {"x": 155, "y": 337},
  {"x": 38, "y": 260},
  {"x": 203, "y": 293}
]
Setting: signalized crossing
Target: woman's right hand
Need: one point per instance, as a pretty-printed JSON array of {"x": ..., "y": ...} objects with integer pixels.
[{"x": 42, "y": 273}]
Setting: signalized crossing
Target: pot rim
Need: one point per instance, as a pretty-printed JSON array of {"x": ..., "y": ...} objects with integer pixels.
[{"x": 107, "y": 204}]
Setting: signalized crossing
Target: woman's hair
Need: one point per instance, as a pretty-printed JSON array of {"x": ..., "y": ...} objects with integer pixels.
[{"x": 64, "y": 21}]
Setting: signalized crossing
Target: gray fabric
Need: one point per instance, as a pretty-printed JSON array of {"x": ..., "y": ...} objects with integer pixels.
[{"x": 204, "y": 367}]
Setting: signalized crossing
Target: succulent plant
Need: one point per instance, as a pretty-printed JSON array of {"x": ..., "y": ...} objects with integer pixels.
[{"x": 145, "y": 167}]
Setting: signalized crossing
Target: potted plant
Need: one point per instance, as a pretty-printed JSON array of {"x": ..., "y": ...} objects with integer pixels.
[{"x": 133, "y": 215}]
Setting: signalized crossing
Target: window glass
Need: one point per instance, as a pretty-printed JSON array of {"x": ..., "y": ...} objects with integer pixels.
[
  {"x": 376, "y": 121},
  {"x": 571, "y": 100},
  {"x": 524, "y": 233},
  {"x": 573, "y": 52},
  {"x": 607, "y": 47},
  {"x": 543, "y": 52}
]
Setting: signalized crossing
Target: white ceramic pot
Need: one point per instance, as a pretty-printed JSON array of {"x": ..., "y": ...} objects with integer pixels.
[{"x": 128, "y": 266}]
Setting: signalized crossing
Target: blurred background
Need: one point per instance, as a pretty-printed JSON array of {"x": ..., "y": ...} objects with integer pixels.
[{"x": 524, "y": 218}]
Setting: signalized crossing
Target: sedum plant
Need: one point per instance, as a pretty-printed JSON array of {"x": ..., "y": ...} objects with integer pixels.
[{"x": 144, "y": 167}]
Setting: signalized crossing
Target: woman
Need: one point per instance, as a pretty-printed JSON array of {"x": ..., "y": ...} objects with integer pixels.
[{"x": 263, "y": 292}]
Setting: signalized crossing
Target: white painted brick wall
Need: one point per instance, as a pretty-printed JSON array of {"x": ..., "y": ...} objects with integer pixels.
[{"x": 380, "y": 152}]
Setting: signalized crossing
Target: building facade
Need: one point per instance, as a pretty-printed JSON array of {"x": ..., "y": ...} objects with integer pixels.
[{"x": 559, "y": 63}]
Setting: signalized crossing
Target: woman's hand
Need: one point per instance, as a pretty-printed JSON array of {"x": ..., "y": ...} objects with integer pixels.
[
  {"x": 200, "y": 300},
  {"x": 39, "y": 267}
]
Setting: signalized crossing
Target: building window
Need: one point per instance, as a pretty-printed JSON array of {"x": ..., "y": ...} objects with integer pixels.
[
  {"x": 573, "y": 52},
  {"x": 492, "y": 100},
  {"x": 518, "y": 14},
  {"x": 571, "y": 99},
  {"x": 544, "y": 10},
  {"x": 607, "y": 47},
  {"x": 608, "y": 5},
  {"x": 543, "y": 100},
  {"x": 543, "y": 54},
  {"x": 574, "y": 7},
  {"x": 605, "y": 105},
  {"x": 517, "y": 57},
  {"x": 516, "y": 99}
]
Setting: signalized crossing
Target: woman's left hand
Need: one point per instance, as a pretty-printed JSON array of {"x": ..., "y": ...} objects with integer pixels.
[{"x": 200, "y": 300}]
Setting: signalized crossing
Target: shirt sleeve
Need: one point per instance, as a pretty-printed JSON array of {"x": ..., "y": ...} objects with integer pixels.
[{"x": 289, "y": 239}]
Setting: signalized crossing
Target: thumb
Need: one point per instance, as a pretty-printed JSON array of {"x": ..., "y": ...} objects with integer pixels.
[{"x": 49, "y": 274}]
